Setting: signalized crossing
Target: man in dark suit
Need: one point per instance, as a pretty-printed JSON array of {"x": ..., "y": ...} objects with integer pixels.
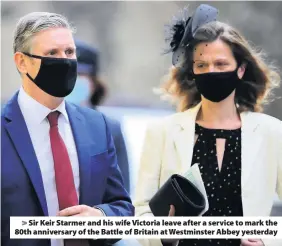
[
  {"x": 90, "y": 91},
  {"x": 57, "y": 158}
]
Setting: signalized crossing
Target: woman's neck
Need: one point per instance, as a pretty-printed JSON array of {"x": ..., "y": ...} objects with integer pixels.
[{"x": 222, "y": 115}]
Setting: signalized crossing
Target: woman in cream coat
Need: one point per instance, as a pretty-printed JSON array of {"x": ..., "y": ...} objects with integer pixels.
[{"x": 169, "y": 144}]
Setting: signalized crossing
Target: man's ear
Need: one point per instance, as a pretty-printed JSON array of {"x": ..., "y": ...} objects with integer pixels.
[{"x": 20, "y": 62}]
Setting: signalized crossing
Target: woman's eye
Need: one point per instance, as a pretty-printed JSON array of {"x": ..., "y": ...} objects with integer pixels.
[{"x": 221, "y": 64}]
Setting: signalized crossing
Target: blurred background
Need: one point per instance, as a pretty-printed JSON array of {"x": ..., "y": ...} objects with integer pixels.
[{"x": 130, "y": 39}]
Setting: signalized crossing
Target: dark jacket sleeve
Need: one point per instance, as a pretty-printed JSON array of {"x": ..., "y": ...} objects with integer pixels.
[
  {"x": 121, "y": 152},
  {"x": 116, "y": 200}
]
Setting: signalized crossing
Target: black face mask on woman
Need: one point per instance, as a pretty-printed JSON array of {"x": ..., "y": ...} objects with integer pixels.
[
  {"x": 56, "y": 76},
  {"x": 216, "y": 86}
]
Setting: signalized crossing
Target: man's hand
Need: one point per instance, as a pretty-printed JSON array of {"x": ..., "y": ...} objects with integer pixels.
[
  {"x": 251, "y": 242},
  {"x": 81, "y": 210}
]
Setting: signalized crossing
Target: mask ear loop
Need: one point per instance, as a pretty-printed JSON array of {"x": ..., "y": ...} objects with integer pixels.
[
  {"x": 33, "y": 80},
  {"x": 239, "y": 64},
  {"x": 192, "y": 72},
  {"x": 33, "y": 56}
]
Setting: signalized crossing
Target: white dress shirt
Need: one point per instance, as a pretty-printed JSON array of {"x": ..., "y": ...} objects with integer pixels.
[{"x": 38, "y": 127}]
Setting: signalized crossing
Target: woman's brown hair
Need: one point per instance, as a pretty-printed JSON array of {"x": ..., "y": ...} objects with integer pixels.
[{"x": 258, "y": 81}]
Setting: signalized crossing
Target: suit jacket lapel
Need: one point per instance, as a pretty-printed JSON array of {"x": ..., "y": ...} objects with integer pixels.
[
  {"x": 251, "y": 141},
  {"x": 83, "y": 143},
  {"x": 18, "y": 132},
  {"x": 184, "y": 135}
]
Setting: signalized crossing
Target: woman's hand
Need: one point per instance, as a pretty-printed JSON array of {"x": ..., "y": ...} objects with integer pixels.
[
  {"x": 171, "y": 211},
  {"x": 251, "y": 242},
  {"x": 170, "y": 240}
]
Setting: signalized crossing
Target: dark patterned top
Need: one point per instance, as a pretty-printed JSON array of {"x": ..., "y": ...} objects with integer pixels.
[{"x": 223, "y": 186}]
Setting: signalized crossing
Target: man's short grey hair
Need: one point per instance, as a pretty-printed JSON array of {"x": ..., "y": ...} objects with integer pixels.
[{"x": 33, "y": 23}]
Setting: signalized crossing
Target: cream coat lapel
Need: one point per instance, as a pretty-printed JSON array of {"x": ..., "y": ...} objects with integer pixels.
[
  {"x": 251, "y": 141},
  {"x": 184, "y": 135}
]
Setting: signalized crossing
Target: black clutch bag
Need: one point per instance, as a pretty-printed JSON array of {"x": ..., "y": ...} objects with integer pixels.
[{"x": 180, "y": 192}]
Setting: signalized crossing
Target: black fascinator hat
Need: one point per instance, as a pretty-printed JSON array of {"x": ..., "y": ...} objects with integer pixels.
[{"x": 183, "y": 29}]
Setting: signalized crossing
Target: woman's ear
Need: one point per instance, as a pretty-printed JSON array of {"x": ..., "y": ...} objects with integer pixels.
[{"x": 241, "y": 70}]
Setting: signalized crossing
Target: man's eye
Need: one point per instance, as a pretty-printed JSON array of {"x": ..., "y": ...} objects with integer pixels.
[
  {"x": 69, "y": 52},
  {"x": 52, "y": 52}
]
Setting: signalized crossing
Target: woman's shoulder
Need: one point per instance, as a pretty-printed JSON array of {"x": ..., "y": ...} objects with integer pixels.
[
  {"x": 264, "y": 120},
  {"x": 269, "y": 125},
  {"x": 187, "y": 117},
  {"x": 172, "y": 121}
]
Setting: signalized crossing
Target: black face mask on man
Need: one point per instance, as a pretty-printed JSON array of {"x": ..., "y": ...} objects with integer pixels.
[
  {"x": 216, "y": 86},
  {"x": 56, "y": 76}
]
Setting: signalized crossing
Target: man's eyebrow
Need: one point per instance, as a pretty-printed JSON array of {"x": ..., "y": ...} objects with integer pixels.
[{"x": 50, "y": 49}]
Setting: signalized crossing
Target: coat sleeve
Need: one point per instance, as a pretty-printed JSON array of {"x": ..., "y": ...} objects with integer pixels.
[
  {"x": 277, "y": 242},
  {"x": 149, "y": 175},
  {"x": 149, "y": 169},
  {"x": 279, "y": 171}
]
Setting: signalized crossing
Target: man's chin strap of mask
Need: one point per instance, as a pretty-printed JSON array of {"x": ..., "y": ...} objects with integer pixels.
[
  {"x": 33, "y": 56},
  {"x": 56, "y": 76}
]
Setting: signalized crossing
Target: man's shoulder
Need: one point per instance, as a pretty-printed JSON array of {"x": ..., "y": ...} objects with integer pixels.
[
  {"x": 88, "y": 113},
  {"x": 8, "y": 105},
  {"x": 113, "y": 118},
  {"x": 91, "y": 112},
  {"x": 3, "y": 110},
  {"x": 113, "y": 124},
  {"x": 95, "y": 117}
]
